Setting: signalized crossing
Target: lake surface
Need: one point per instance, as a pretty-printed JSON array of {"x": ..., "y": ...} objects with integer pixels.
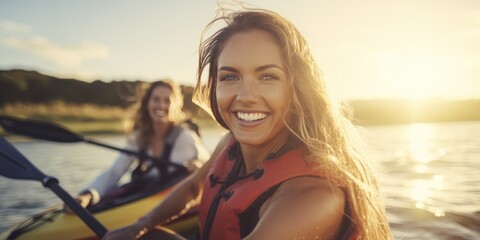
[{"x": 430, "y": 176}]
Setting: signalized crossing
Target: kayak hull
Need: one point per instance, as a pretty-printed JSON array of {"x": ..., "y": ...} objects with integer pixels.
[
  {"x": 54, "y": 223},
  {"x": 59, "y": 225}
]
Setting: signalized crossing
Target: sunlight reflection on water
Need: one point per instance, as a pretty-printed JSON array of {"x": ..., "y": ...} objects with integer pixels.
[{"x": 430, "y": 176}]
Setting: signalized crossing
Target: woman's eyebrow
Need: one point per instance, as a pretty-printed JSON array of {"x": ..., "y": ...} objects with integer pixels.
[
  {"x": 226, "y": 68},
  {"x": 261, "y": 68}
]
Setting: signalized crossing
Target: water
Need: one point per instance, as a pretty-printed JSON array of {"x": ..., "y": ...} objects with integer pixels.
[{"x": 430, "y": 180}]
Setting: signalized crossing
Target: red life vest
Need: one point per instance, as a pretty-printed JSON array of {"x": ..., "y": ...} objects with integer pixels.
[{"x": 234, "y": 199}]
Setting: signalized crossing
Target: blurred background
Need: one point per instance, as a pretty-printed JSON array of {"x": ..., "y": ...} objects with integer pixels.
[{"x": 409, "y": 70}]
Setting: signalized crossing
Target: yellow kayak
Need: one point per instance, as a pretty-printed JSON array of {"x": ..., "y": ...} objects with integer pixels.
[{"x": 54, "y": 223}]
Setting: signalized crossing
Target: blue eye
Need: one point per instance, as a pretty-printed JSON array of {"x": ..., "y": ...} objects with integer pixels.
[
  {"x": 269, "y": 77},
  {"x": 228, "y": 78}
]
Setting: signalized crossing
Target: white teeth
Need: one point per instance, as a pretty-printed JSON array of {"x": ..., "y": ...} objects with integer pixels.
[
  {"x": 160, "y": 113},
  {"x": 251, "y": 116}
]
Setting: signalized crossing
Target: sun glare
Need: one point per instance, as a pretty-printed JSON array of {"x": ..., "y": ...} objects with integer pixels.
[
  {"x": 424, "y": 188},
  {"x": 420, "y": 135},
  {"x": 414, "y": 76}
]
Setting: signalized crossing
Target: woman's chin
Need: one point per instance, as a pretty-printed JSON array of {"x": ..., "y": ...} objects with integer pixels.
[
  {"x": 161, "y": 120},
  {"x": 248, "y": 138}
]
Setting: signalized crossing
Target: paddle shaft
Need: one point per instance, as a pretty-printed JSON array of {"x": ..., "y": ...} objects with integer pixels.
[
  {"x": 56, "y": 133},
  {"x": 88, "y": 140},
  {"x": 93, "y": 223}
]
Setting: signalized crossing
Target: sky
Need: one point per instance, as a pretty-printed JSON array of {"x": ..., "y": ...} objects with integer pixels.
[{"x": 370, "y": 49}]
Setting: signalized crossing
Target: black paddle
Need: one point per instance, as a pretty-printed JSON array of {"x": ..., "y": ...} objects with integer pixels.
[
  {"x": 56, "y": 133},
  {"x": 14, "y": 165}
]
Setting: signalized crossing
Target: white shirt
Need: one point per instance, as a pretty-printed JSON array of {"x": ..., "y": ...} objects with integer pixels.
[{"x": 187, "y": 147}]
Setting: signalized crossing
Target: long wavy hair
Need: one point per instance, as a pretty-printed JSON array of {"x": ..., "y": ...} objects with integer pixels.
[
  {"x": 142, "y": 123},
  {"x": 330, "y": 139}
]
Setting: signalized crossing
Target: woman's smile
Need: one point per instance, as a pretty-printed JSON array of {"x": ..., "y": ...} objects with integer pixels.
[
  {"x": 251, "y": 117},
  {"x": 160, "y": 113}
]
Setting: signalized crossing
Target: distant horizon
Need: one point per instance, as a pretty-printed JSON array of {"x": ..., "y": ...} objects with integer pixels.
[
  {"x": 35, "y": 91},
  {"x": 403, "y": 99},
  {"x": 364, "y": 49}
]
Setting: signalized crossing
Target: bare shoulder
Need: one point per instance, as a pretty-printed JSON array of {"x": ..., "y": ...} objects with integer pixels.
[{"x": 301, "y": 208}]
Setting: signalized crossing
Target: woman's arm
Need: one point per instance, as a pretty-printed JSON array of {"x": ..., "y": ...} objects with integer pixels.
[
  {"x": 301, "y": 208},
  {"x": 189, "y": 150},
  {"x": 105, "y": 181},
  {"x": 188, "y": 190},
  {"x": 109, "y": 178}
]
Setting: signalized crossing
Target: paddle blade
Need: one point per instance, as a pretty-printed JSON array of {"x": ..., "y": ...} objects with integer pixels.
[
  {"x": 14, "y": 165},
  {"x": 38, "y": 129}
]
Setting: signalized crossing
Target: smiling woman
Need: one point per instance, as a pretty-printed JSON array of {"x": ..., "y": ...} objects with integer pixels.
[
  {"x": 157, "y": 132},
  {"x": 288, "y": 145},
  {"x": 252, "y": 90}
]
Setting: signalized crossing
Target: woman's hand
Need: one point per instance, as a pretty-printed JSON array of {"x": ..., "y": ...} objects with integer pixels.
[
  {"x": 83, "y": 199},
  {"x": 193, "y": 165}
]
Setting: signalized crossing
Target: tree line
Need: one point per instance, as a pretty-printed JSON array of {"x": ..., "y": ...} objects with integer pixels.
[{"x": 31, "y": 87}]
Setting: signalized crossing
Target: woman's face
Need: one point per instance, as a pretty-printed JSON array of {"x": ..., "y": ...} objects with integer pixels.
[
  {"x": 159, "y": 104},
  {"x": 252, "y": 89}
]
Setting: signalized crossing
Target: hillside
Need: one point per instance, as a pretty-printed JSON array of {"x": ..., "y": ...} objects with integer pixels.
[{"x": 20, "y": 86}]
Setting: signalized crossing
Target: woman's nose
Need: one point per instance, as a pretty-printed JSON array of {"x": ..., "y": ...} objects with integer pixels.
[
  {"x": 164, "y": 104},
  {"x": 247, "y": 91}
]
